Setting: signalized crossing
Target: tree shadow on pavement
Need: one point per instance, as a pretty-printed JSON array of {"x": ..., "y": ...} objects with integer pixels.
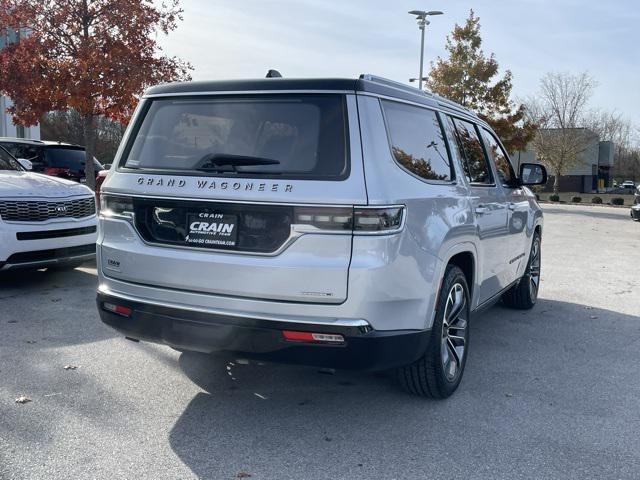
[
  {"x": 547, "y": 393},
  {"x": 612, "y": 213}
]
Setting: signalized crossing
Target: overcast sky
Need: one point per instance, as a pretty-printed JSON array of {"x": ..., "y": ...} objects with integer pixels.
[{"x": 226, "y": 39}]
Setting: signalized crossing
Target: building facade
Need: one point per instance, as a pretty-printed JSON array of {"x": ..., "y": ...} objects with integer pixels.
[
  {"x": 592, "y": 171},
  {"x": 7, "y": 127}
]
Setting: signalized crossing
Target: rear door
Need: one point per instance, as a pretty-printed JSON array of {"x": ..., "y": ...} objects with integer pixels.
[
  {"x": 243, "y": 195},
  {"x": 489, "y": 206},
  {"x": 518, "y": 208}
]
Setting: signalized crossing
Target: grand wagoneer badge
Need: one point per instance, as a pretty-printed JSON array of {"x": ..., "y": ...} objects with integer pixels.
[{"x": 199, "y": 184}]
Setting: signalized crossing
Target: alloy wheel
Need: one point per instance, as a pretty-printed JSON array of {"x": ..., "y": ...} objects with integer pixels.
[
  {"x": 454, "y": 332},
  {"x": 534, "y": 269}
]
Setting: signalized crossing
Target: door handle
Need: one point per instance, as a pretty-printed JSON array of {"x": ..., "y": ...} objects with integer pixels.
[{"x": 481, "y": 210}]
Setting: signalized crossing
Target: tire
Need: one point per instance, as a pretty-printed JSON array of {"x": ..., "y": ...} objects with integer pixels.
[
  {"x": 524, "y": 294},
  {"x": 438, "y": 372}
]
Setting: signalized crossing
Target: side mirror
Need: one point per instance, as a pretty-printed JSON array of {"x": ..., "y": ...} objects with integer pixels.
[
  {"x": 533, "y": 174},
  {"x": 26, "y": 164}
]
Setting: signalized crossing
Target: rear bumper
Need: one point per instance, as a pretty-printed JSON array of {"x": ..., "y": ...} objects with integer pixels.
[{"x": 363, "y": 348}]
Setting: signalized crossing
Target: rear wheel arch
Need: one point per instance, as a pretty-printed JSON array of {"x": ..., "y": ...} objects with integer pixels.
[{"x": 466, "y": 261}]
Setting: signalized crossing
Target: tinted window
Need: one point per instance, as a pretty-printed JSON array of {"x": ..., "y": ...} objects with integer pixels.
[
  {"x": 303, "y": 136},
  {"x": 417, "y": 141},
  {"x": 7, "y": 162},
  {"x": 475, "y": 165},
  {"x": 27, "y": 151},
  {"x": 24, "y": 150},
  {"x": 506, "y": 175},
  {"x": 68, "y": 158}
]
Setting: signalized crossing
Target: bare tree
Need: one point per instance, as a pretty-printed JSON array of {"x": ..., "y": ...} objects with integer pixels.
[
  {"x": 67, "y": 126},
  {"x": 560, "y": 110}
]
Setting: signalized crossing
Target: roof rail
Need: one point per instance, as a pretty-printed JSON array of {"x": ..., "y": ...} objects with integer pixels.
[
  {"x": 408, "y": 88},
  {"x": 18, "y": 140},
  {"x": 394, "y": 84}
]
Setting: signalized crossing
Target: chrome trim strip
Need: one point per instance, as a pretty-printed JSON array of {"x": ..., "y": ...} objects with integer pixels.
[
  {"x": 250, "y": 202},
  {"x": 32, "y": 198},
  {"x": 297, "y": 230},
  {"x": 342, "y": 322},
  {"x": 245, "y": 92}
]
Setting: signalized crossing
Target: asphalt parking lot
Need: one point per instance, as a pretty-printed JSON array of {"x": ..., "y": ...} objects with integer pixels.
[{"x": 551, "y": 393}]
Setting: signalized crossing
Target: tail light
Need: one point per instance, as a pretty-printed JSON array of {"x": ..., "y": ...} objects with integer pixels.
[
  {"x": 116, "y": 206},
  {"x": 57, "y": 171},
  {"x": 358, "y": 220}
]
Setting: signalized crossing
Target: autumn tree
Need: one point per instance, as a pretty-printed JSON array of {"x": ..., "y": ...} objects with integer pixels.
[
  {"x": 560, "y": 108},
  {"x": 93, "y": 56},
  {"x": 472, "y": 79}
]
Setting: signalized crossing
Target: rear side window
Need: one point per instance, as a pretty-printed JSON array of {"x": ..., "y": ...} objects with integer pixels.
[
  {"x": 22, "y": 150},
  {"x": 285, "y": 135},
  {"x": 475, "y": 166},
  {"x": 417, "y": 141}
]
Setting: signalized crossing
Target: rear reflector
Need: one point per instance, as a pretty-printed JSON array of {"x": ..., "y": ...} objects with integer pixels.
[
  {"x": 312, "y": 337},
  {"x": 117, "y": 309}
]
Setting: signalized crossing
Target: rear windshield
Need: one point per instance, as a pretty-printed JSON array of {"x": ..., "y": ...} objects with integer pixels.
[
  {"x": 68, "y": 158},
  {"x": 288, "y": 136}
]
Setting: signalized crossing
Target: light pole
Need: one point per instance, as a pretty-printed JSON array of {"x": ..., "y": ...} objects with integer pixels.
[{"x": 421, "y": 17}]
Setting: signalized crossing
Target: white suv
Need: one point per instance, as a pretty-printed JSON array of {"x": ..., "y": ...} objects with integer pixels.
[{"x": 44, "y": 221}]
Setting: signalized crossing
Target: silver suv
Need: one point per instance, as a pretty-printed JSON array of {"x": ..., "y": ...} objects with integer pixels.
[{"x": 329, "y": 222}]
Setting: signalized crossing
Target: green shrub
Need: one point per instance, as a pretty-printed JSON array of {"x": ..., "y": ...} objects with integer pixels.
[
  {"x": 596, "y": 200},
  {"x": 576, "y": 199},
  {"x": 617, "y": 201},
  {"x": 554, "y": 198}
]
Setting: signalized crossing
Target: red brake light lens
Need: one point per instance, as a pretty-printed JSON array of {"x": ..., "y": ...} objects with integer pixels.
[
  {"x": 117, "y": 309},
  {"x": 311, "y": 337}
]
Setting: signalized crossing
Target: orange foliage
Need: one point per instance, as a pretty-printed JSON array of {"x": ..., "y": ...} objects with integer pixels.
[{"x": 95, "y": 56}]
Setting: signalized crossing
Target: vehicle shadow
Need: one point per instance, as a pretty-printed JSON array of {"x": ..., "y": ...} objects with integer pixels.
[{"x": 528, "y": 373}]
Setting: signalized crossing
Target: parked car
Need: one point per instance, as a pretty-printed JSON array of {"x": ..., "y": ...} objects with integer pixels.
[
  {"x": 635, "y": 208},
  {"x": 628, "y": 184},
  {"x": 44, "y": 221},
  {"x": 58, "y": 159},
  {"x": 337, "y": 223}
]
